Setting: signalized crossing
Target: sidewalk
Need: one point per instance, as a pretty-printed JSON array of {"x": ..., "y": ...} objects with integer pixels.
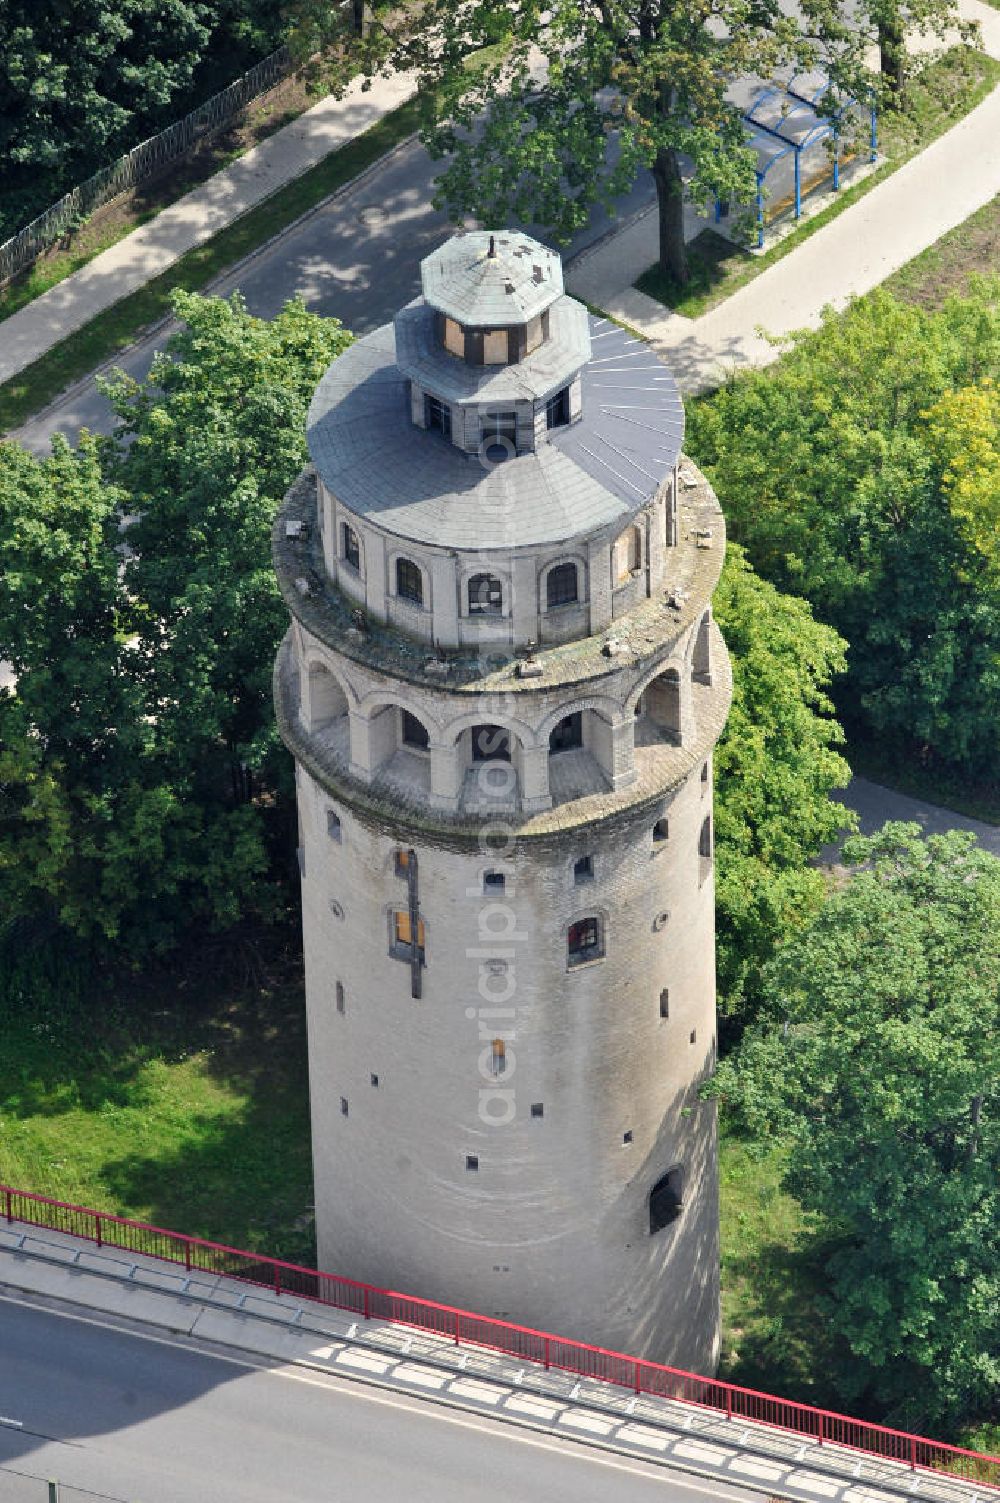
[
  {"x": 931, "y": 194},
  {"x": 286, "y": 1329},
  {"x": 193, "y": 219}
]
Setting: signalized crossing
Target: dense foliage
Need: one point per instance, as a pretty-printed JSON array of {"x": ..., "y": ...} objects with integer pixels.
[
  {"x": 84, "y": 82},
  {"x": 879, "y": 1066},
  {"x": 775, "y": 768},
  {"x": 138, "y": 784},
  {"x": 861, "y": 473}
]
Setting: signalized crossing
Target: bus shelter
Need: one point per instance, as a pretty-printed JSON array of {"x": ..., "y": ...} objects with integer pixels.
[{"x": 797, "y": 145}]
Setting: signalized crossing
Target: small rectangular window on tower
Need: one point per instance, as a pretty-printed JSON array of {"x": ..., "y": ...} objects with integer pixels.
[
  {"x": 343, "y": 1106},
  {"x": 402, "y": 936},
  {"x": 438, "y": 415},
  {"x": 472, "y": 1162},
  {"x": 494, "y": 883},
  {"x": 341, "y": 1004},
  {"x": 583, "y": 870},
  {"x": 557, "y": 409},
  {"x": 375, "y": 1081},
  {"x": 537, "y": 1109},
  {"x": 333, "y": 826},
  {"x": 665, "y": 1003},
  {"x": 402, "y": 862},
  {"x": 351, "y": 548},
  {"x": 661, "y": 831}
]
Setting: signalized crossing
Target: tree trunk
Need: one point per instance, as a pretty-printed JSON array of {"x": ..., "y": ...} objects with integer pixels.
[
  {"x": 892, "y": 57},
  {"x": 670, "y": 203}
]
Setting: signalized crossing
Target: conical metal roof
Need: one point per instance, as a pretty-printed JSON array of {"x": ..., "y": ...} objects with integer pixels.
[{"x": 492, "y": 278}]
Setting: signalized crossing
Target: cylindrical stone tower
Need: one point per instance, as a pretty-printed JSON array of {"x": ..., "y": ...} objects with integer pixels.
[{"x": 502, "y": 687}]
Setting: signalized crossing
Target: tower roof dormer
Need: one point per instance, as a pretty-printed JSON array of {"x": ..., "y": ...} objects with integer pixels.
[{"x": 483, "y": 279}]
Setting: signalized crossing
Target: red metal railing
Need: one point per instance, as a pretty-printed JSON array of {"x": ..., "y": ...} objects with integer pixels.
[{"x": 372, "y": 1303}]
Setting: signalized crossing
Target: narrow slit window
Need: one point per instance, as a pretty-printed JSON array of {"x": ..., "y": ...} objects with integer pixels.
[
  {"x": 334, "y": 827},
  {"x": 341, "y": 1003},
  {"x": 661, "y": 831},
  {"x": 557, "y": 409},
  {"x": 498, "y": 1057},
  {"x": 665, "y": 1003},
  {"x": 583, "y": 870},
  {"x": 351, "y": 548}
]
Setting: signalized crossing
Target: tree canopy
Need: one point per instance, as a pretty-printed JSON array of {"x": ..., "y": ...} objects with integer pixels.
[
  {"x": 83, "y": 83},
  {"x": 543, "y": 110},
  {"x": 860, "y": 472},
  {"x": 877, "y": 1061},
  {"x": 140, "y": 787},
  {"x": 776, "y": 766}
]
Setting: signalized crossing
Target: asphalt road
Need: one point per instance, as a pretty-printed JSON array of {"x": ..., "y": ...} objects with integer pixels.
[
  {"x": 131, "y": 1417},
  {"x": 356, "y": 258}
]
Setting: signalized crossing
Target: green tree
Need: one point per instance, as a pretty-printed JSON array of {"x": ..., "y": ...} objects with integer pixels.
[
  {"x": 83, "y": 82},
  {"x": 138, "y": 794},
  {"x": 844, "y": 34},
  {"x": 775, "y": 768},
  {"x": 98, "y": 833},
  {"x": 878, "y": 1063},
  {"x": 543, "y": 110},
  {"x": 837, "y": 479},
  {"x": 206, "y": 447}
]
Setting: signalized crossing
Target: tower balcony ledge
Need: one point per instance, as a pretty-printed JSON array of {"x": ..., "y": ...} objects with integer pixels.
[
  {"x": 403, "y": 802},
  {"x": 637, "y": 640}
]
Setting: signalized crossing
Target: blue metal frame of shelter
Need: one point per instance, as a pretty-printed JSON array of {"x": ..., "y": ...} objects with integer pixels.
[{"x": 775, "y": 142}]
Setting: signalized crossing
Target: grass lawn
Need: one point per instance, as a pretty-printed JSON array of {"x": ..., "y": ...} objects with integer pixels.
[
  {"x": 773, "y": 1336},
  {"x": 948, "y": 88},
  {"x": 173, "y": 1100},
  {"x": 970, "y": 249},
  {"x": 102, "y": 338}
]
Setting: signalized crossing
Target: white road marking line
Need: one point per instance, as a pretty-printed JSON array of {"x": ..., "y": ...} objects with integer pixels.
[{"x": 390, "y": 1400}]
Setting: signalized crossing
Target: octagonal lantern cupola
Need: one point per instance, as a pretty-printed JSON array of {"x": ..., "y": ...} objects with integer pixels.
[{"x": 494, "y": 349}]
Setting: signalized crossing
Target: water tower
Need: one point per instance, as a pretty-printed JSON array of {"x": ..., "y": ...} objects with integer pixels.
[{"x": 502, "y": 687}]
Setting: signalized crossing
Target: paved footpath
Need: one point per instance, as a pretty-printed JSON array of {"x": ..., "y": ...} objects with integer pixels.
[
  {"x": 915, "y": 206},
  {"x": 193, "y": 219}
]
